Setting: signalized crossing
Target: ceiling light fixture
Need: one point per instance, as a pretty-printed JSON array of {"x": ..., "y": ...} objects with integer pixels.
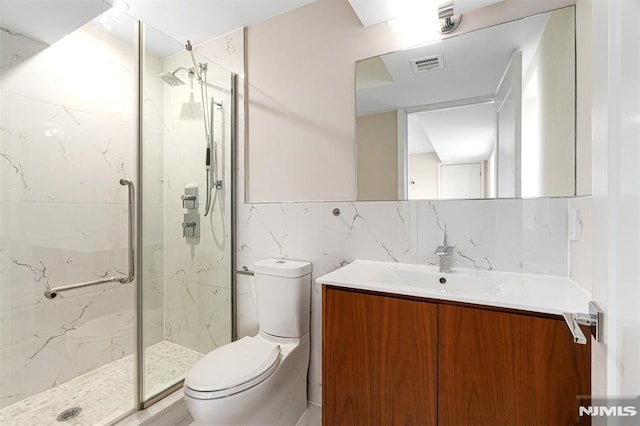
[
  {"x": 449, "y": 22},
  {"x": 121, "y": 5},
  {"x": 416, "y": 21}
]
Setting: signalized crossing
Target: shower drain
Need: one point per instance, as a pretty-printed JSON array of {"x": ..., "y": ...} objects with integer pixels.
[{"x": 68, "y": 414}]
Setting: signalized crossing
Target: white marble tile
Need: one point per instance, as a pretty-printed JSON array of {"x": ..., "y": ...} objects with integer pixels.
[
  {"x": 274, "y": 230},
  {"x": 104, "y": 394},
  {"x": 65, "y": 142},
  {"x": 581, "y": 251},
  {"x": 80, "y": 333},
  {"x": 76, "y": 243},
  {"x": 247, "y": 311},
  {"x": 544, "y": 236},
  {"x": 103, "y": 75},
  {"x": 227, "y": 50},
  {"x": 505, "y": 235},
  {"x": 197, "y": 272},
  {"x": 55, "y": 153},
  {"x": 375, "y": 230},
  {"x": 197, "y": 316},
  {"x": 16, "y": 49},
  {"x": 470, "y": 230}
]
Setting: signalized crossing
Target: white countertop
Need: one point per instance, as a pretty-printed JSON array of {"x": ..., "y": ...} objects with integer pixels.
[{"x": 528, "y": 292}]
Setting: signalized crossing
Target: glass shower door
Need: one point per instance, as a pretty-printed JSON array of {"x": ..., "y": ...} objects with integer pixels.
[
  {"x": 186, "y": 271},
  {"x": 68, "y": 123}
]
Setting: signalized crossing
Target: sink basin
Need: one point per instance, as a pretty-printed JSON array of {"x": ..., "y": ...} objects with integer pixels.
[
  {"x": 537, "y": 293},
  {"x": 453, "y": 282}
]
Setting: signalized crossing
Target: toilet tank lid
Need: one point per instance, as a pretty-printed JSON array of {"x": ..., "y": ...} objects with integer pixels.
[{"x": 282, "y": 268}]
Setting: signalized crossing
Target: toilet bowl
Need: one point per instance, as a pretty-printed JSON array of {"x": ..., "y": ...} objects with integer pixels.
[{"x": 260, "y": 380}]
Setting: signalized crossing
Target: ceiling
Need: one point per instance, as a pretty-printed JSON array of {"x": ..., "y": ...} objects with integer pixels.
[
  {"x": 456, "y": 144},
  {"x": 202, "y": 20},
  {"x": 373, "y": 12},
  {"x": 48, "y": 21},
  {"x": 196, "y": 20},
  {"x": 473, "y": 66}
]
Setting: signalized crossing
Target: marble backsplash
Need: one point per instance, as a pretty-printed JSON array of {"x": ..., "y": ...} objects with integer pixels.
[{"x": 528, "y": 236}]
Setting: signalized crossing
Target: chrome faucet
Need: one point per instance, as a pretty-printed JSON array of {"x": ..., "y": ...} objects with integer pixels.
[{"x": 445, "y": 253}]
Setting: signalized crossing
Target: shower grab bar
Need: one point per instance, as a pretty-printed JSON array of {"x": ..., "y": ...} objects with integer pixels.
[{"x": 52, "y": 293}]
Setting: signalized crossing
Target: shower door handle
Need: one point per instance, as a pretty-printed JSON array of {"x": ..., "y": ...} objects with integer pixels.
[
  {"x": 131, "y": 232},
  {"x": 52, "y": 293}
]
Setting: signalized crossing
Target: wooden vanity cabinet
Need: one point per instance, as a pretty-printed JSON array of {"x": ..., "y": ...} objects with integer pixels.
[
  {"x": 391, "y": 360},
  {"x": 498, "y": 368},
  {"x": 379, "y": 360}
]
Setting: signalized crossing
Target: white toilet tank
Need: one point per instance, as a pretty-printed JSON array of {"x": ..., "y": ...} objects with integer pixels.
[{"x": 283, "y": 291}]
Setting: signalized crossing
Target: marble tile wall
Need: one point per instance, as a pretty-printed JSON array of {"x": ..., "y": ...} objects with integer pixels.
[
  {"x": 197, "y": 271},
  {"x": 153, "y": 201},
  {"x": 581, "y": 250},
  {"x": 67, "y": 135},
  {"x": 506, "y": 235}
]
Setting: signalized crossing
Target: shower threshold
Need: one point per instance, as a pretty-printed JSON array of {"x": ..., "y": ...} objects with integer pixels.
[{"x": 104, "y": 394}]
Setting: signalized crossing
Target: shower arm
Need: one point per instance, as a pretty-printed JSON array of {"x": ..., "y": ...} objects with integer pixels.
[
  {"x": 52, "y": 293},
  {"x": 196, "y": 68}
]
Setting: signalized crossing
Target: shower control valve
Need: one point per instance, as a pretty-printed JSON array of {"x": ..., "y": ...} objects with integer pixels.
[
  {"x": 189, "y": 201},
  {"x": 191, "y": 225},
  {"x": 190, "y": 197}
]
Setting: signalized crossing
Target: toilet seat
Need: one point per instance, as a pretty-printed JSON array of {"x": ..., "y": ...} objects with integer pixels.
[{"x": 232, "y": 368}]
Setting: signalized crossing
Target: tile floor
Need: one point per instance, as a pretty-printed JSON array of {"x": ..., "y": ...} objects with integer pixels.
[
  {"x": 103, "y": 394},
  {"x": 311, "y": 417}
]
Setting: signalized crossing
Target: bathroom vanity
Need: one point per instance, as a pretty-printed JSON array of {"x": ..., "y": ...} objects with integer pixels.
[{"x": 436, "y": 355}]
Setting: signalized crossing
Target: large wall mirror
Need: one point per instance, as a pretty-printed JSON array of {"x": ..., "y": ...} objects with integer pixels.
[{"x": 486, "y": 114}]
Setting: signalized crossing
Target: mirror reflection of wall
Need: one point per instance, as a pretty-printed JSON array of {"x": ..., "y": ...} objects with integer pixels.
[
  {"x": 487, "y": 114},
  {"x": 446, "y": 160}
]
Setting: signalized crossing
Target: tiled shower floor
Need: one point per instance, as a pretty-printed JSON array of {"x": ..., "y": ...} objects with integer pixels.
[{"x": 103, "y": 394}]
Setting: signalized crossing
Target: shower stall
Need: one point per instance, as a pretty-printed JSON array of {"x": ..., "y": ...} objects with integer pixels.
[{"x": 114, "y": 142}]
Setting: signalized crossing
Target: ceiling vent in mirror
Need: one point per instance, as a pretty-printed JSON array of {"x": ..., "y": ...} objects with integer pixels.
[{"x": 428, "y": 63}]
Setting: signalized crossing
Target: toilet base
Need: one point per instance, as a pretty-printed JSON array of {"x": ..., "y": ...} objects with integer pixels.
[{"x": 280, "y": 400}]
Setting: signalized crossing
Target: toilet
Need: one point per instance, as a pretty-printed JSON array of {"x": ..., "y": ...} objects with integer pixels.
[{"x": 260, "y": 380}]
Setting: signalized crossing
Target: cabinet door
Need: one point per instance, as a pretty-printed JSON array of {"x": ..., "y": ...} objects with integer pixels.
[
  {"x": 379, "y": 360},
  {"x": 506, "y": 369}
]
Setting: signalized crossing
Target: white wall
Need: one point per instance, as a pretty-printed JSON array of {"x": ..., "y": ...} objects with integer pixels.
[
  {"x": 300, "y": 71},
  {"x": 377, "y": 143},
  {"x": 548, "y": 160},
  {"x": 612, "y": 265}
]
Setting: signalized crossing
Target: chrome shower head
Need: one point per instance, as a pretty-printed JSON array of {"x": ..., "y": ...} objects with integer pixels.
[{"x": 171, "y": 79}]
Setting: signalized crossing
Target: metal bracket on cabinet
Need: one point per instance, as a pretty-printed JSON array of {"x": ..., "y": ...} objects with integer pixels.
[{"x": 594, "y": 319}]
